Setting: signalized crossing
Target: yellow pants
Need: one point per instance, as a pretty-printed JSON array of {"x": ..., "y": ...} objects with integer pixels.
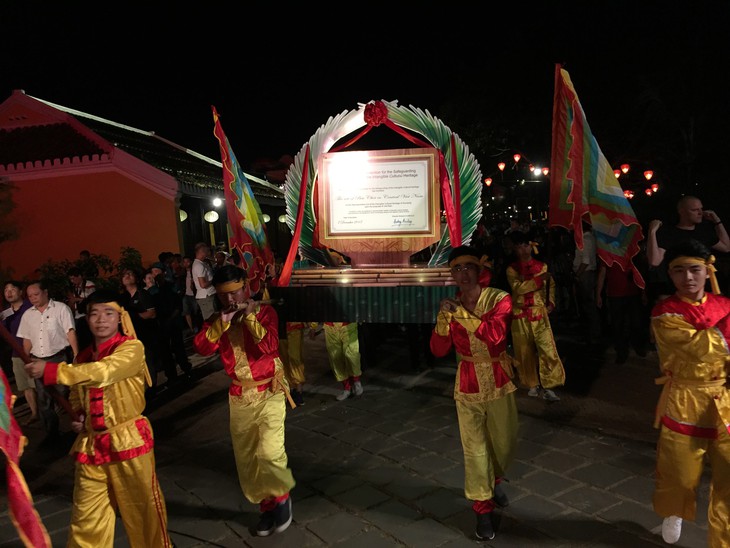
[
  {"x": 131, "y": 487},
  {"x": 680, "y": 461},
  {"x": 343, "y": 349},
  {"x": 534, "y": 345},
  {"x": 489, "y": 438},
  {"x": 290, "y": 351},
  {"x": 257, "y": 434}
]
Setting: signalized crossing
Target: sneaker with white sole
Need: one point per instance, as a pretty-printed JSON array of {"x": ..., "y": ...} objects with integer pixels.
[
  {"x": 357, "y": 388},
  {"x": 343, "y": 395},
  {"x": 266, "y": 524},
  {"x": 485, "y": 529},
  {"x": 282, "y": 516},
  {"x": 534, "y": 392},
  {"x": 549, "y": 395},
  {"x": 671, "y": 529}
]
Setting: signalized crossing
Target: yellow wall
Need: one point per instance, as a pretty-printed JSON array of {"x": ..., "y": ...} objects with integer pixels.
[{"x": 102, "y": 212}]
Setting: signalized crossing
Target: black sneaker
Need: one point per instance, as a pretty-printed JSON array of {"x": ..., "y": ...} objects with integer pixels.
[
  {"x": 282, "y": 515},
  {"x": 485, "y": 531},
  {"x": 500, "y": 497},
  {"x": 266, "y": 524}
]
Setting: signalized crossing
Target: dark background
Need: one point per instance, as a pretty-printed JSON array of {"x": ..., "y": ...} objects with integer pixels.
[{"x": 651, "y": 76}]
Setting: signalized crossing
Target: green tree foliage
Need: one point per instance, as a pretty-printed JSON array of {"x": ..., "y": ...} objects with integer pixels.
[{"x": 107, "y": 273}]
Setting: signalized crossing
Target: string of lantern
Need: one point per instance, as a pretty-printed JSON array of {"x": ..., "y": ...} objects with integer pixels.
[
  {"x": 533, "y": 169},
  {"x": 622, "y": 174}
]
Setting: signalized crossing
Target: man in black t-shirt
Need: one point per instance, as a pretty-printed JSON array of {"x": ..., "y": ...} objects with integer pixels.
[{"x": 694, "y": 223}]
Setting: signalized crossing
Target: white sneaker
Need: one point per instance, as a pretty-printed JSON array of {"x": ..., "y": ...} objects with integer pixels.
[
  {"x": 671, "y": 529},
  {"x": 534, "y": 392},
  {"x": 549, "y": 395},
  {"x": 343, "y": 395},
  {"x": 357, "y": 388}
]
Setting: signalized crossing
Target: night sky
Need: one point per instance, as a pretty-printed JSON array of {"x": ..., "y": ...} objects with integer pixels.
[{"x": 650, "y": 75}]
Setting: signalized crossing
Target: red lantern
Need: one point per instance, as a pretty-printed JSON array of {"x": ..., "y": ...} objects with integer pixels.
[
  {"x": 648, "y": 174},
  {"x": 517, "y": 158},
  {"x": 625, "y": 168},
  {"x": 631, "y": 194},
  {"x": 545, "y": 170},
  {"x": 501, "y": 166},
  {"x": 654, "y": 187},
  {"x": 648, "y": 192},
  {"x": 617, "y": 173},
  {"x": 488, "y": 181},
  {"x": 627, "y": 194}
]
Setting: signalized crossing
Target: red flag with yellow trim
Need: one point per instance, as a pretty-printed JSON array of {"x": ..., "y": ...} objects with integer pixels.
[
  {"x": 12, "y": 443},
  {"x": 583, "y": 186},
  {"x": 248, "y": 229}
]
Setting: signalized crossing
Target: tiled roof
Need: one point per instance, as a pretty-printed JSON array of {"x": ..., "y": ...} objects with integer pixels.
[
  {"x": 47, "y": 142},
  {"x": 197, "y": 174}
]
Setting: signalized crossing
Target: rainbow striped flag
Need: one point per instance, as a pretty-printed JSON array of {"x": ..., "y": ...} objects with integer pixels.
[
  {"x": 583, "y": 186},
  {"x": 248, "y": 229},
  {"x": 12, "y": 442}
]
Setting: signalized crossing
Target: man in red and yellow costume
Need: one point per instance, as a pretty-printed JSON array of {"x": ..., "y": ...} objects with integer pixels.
[
  {"x": 536, "y": 357},
  {"x": 476, "y": 323},
  {"x": 115, "y": 460},
  {"x": 692, "y": 330},
  {"x": 245, "y": 334}
]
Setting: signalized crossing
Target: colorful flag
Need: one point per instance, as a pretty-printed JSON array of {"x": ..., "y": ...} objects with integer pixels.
[
  {"x": 583, "y": 186},
  {"x": 248, "y": 229},
  {"x": 12, "y": 442}
]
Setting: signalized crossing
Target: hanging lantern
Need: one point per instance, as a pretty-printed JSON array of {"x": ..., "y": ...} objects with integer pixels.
[
  {"x": 626, "y": 193},
  {"x": 631, "y": 194},
  {"x": 625, "y": 168},
  {"x": 517, "y": 158},
  {"x": 648, "y": 192},
  {"x": 655, "y": 187},
  {"x": 531, "y": 168},
  {"x": 648, "y": 174},
  {"x": 501, "y": 166},
  {"x": 617, "y": 173},
  {"x": 545, "y": 170},
  {"x": 488, "y": 181}
]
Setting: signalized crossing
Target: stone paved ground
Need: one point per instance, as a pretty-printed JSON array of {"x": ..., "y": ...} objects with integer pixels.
[{"x": 385, "y": 469}]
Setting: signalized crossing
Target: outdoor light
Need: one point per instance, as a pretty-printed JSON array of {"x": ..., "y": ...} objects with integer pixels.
[
  {"x": 183, "y": 215},
  {"x": 537, "y": 171},
  {"x": 648, "y": 192},
  {"x": 501, "y": 166},
  {"x": 517, "y": 158},
  {"x": 217, "y": 202},
  {"x": 654, "y": 187},
  {"x": 282, "y": 218},
  {"x": 488, "y": 181},
  {"x": 625, "y": 168},
  {"x": 617, "y": 173},
  {"x": 266, "y": 217},
  {"x": 648, "y": 174},
  {"x": 211, "y": 216},
  {"x": 545, "y": 170},
  {"x": 626, "y": 193}
]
